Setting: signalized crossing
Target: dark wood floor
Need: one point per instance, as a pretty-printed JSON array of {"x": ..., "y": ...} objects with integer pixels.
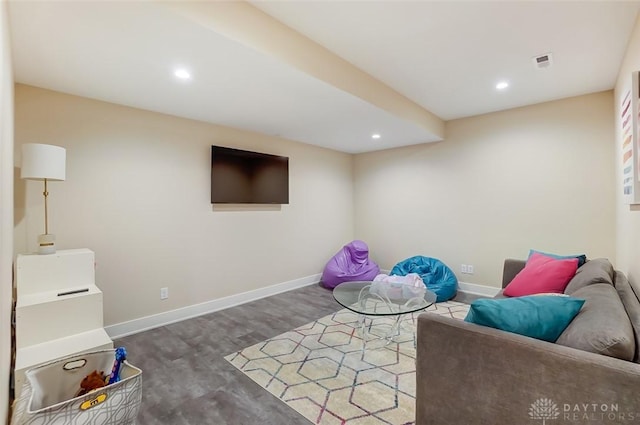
[{"x": 186, "y": 379}]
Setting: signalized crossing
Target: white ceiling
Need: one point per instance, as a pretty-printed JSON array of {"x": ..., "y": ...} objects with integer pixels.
[
  {"x": 448, "y": 56},
  {"x": 445, "y": 56}
]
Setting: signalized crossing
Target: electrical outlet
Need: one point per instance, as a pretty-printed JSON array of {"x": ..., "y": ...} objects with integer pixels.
[
  {"x": 464, "y": 268},
  {"x": 469, "y": 269},
  {"x": 164, "y": 293}
]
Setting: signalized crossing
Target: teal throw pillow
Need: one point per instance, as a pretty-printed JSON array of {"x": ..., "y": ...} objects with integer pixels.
[
  {"x": 582, "y": 258},
  {"x": 540, "y": 317}
]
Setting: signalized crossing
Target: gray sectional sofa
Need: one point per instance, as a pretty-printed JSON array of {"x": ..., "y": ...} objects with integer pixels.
[{"x": 469, "y": 374}]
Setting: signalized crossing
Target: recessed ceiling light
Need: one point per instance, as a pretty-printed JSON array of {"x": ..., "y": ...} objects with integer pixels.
[
  {"x": 375, "y": 136},
  {"x": 183, "y": 74},
  {"x": 502, "y": 85}
]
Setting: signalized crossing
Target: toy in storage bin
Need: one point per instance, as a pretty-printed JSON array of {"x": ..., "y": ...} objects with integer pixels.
[{"x": 49, "y": 392}]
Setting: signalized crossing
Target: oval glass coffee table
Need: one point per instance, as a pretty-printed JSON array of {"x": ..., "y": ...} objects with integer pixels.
[{"x": 379, "y": 299}]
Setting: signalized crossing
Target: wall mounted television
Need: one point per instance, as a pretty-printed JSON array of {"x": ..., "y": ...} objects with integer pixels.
[{"x": 245, "y": 177}]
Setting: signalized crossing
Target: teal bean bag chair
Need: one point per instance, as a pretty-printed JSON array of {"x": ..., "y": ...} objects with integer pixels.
[{"x": 435, "y": 274}]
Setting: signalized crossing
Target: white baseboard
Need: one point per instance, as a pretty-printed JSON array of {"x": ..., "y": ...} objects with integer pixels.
[
  {"x": 149, "y": 322},
  {"x": 134, "y": 326},
  {"x": 475, "y": 289}
]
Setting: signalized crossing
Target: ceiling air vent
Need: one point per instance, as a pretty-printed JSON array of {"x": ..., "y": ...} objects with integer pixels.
[{"x": 543, "y": 61}]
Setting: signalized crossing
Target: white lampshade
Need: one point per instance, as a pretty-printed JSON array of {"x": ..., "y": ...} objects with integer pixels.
[{"x": 41, "y": 162}]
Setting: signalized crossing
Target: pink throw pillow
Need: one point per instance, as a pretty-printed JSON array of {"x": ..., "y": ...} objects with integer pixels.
[{"x": 542, "y": 274}]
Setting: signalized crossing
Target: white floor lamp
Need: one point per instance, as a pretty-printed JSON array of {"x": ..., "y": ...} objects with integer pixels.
[{"x": 44, "y": 163}]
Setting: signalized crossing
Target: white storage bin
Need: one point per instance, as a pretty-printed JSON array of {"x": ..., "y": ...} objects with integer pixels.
[
  {"x": 48, "y": 395},
  {"x": 46, "y": 316},
  {"x": 64, "y": 269},
  {"x": 39, "y": 354}
]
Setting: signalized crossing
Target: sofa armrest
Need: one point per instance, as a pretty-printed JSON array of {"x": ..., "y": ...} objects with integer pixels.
[
  {"x": 470, "y": 374},
  {"x": 511, "y": 268}
]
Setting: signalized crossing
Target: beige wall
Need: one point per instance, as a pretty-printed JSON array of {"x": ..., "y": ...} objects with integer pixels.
[
  {"x": 536, "y": 177},
  {"x": 137, "y": 193},
  {"x": 627, "y": 217},
  {"x": 6, "y": 203}
]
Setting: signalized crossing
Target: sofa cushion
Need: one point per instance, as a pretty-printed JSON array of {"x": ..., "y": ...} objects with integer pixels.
[
  {"x": 500, "y": 295},
  {"x": 598, "y": 270},
  {"x": 510, "y": 270},
  {"x": 582, "y": 258},
  {"x": 541, "y": 317},
  {"x": 602, "y": 326},
  {"x": 629, "y": 293},
  {"x": 542, "y": 274}
]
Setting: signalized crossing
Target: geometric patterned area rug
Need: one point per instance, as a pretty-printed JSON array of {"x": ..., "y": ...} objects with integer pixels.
[{"x": 321, "y": 371}]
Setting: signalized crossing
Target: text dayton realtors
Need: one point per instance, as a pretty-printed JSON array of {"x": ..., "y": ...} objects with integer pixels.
[{"x": 596, "y": 412}]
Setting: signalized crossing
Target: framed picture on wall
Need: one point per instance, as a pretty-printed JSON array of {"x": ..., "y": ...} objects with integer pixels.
[{"x": 630, "y": 141}]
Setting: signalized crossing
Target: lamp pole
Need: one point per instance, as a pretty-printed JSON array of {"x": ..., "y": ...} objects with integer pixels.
[{"x": 46, "y": 210}]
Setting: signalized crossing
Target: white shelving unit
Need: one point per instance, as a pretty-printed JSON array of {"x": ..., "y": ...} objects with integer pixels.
[{"x": 49, "y": 324}]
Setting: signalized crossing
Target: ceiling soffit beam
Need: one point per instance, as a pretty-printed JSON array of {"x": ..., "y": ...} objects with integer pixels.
[{"x": 248, "y": 25}]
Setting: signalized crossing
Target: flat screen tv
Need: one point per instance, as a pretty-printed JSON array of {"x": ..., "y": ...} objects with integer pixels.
[{"x": 244, "y": 177}]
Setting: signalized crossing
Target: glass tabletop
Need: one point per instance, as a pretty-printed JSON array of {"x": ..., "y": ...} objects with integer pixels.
[{"x": 382, "y": 298}]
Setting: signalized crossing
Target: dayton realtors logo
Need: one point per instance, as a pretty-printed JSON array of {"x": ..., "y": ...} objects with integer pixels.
[{"x": 545, "y": 409}]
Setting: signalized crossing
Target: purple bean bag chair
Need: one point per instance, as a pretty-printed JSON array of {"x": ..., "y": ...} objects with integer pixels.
[{"x": 349, "y": 264}]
